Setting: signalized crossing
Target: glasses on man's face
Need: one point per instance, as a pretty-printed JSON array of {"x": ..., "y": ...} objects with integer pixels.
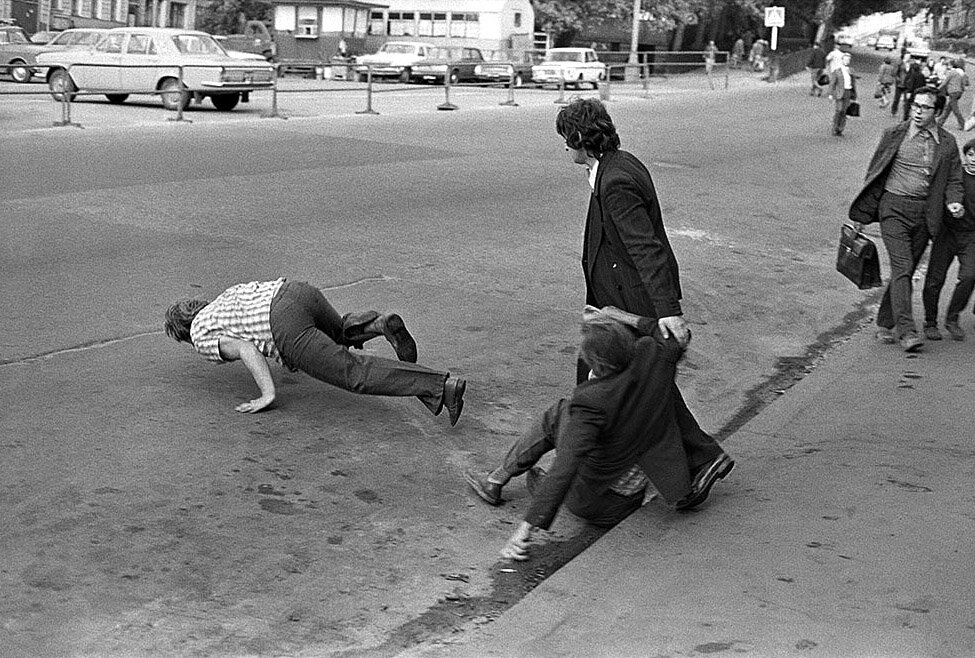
[{"x": 922, "y": 107}]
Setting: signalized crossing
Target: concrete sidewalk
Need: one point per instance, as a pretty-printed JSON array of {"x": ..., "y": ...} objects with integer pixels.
[{"x": 845, "y": 530}]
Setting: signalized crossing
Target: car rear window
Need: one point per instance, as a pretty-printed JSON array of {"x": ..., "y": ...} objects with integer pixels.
[{"x": 197, "y": 44}]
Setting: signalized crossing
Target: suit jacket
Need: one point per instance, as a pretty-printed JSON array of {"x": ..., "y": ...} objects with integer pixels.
[
  {"x": 615, "y": 422},
  {"x": 626, "y": 256},
  {"x": 945, "y": 185},
  {"x": 836, "y": 84}
]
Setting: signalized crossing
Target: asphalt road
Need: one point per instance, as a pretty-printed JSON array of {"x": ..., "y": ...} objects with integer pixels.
[{"x": 142, "y": 515}]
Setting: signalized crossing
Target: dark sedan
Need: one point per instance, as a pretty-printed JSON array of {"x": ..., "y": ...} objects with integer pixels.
[{"x": 460, "y": 62}]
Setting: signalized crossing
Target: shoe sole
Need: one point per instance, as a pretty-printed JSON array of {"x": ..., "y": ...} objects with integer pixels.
[
  {"x": 402, "y": 341},
  {"x": 719, "y": 473},
  {"x": 910, "y": 348},
  {"x": 482, "y": 494}
]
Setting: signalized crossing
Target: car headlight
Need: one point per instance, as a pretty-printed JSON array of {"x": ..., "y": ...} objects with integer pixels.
[{"x": 478, "y": 70}]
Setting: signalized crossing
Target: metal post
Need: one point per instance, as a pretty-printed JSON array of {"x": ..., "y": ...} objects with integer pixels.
[
  {"x": 368, "y": 109},
  {"x": 446, "y": 105},
  {"x": 511, "y": 87},
  {"x": 179, "y": 100},
  {"x": 727, "y": 72},
  {"x": 65, "y": 109},
  {"x": 604, "y": 89},
  {"x": 273, "y": 114},
  {"x": 561, "y": 99},
  {"x": 646, "y": 79}
]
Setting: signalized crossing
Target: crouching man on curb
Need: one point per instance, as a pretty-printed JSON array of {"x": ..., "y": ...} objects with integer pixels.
[{"x": 616, "y": 432}]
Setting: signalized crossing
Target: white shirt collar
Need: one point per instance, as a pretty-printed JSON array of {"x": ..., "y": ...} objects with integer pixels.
[{"x": 592, "y": 175}]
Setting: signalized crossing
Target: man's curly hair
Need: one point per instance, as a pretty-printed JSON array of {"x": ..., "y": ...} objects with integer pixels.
[
  {"x": 179, "y": 318},
  {"x": 586, "y": 125}
]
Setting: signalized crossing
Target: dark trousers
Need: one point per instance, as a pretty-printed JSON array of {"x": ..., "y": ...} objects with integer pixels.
[
  {"x": 839, "y": 111},
  {"x": 602, "y": 509},
  {"x": 312, "y": 337},
  {"x": 946, "y": 246},
  {"x": 898, "y": 92},
  {"x": 904, "y": 229},
  {"x": 951, "y": 107}
]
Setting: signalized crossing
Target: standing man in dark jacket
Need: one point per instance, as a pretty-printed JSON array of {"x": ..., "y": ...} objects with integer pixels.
[
  {"x": 913, "y": 178},
  {"x": 815, "y": 65},
  {"x": 900, "y": 82},
  {"x": 913, "y": 80}
]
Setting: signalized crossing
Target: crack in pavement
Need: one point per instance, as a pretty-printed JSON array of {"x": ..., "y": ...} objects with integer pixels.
[{"x": 84, "y": 347}]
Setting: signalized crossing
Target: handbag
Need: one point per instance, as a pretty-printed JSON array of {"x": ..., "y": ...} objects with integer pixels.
[
  {"x": 853, "y": 109},
  {"x": 857, "y": 258},
  {"x": 823, "y": 80}
]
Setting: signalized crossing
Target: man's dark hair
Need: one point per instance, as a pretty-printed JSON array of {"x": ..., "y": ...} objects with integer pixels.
[
  {"x": 180, "y": 316},
  {"x": 607, "y": 346},
  {"x": 585, "y": 125},
  {"x": 939, "y": 100},
  {"x": 969, "y": 146}
]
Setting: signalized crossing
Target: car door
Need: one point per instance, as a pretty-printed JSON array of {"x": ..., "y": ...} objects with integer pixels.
[
  {"x": 99, "y": 68},
  {"x": 139, "y": 71},
  {"x": 593, "y": 67}
]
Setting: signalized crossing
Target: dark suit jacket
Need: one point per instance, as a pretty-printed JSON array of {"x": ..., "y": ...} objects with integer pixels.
[
  {"x": 626, "y": 257},
  {"x": 616, "y": 422},
  {"x": 945, "y": 187}
]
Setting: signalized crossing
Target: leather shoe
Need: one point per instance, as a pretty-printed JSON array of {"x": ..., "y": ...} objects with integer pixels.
[
  {"x": 885, "y": 336},
  {"x": 955, "y": 330},
  {"x": 704, "y": 479},
  {"x": 931, "y": 333},
  {"x": 396, "y": 333},
  {"x": 490, "y": 492},
  {"x": 910, "y": 342},
  {"x": 453, "y": 397}
]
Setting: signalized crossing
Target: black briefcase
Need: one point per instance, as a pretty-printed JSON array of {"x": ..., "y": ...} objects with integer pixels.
[
  {"x": 857, "y": 259},
  {"x": 853, "y": 109}
]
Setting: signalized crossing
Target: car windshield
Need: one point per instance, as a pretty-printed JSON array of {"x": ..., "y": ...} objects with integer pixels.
[
  {"x": 398, "y": 48},
  {"x": 77, "y": 39},
  {"x": 197, "y": 44},
  {"x": 561, "y": 56},
  {"x": 14, "y": 36}
]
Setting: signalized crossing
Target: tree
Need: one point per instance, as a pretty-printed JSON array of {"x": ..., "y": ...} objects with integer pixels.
[
  {"x": 564, "y": 18},
  {"x": 229, "y": 16}
]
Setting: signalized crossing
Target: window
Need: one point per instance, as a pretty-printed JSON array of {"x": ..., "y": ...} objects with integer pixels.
[
  {"x": 112, "y": 43},
  {"x": 140, "y": 44},
  {"x": 425, "y": 26},
  {"x": 401, "y": 24},
  {"x": 464, "y": 25},
  {"x": 177, "y": 15},
  {"x": 284, "y": 18},
  {"x": 331, "y": 19},
  {"x": 377, "y": 23},
  {"x": 307, "y": 23},
  {"x": 517, "y": 19}
]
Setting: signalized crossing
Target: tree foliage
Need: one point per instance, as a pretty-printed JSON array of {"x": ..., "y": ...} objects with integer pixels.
[
  {"x": 229, "y": 16},
  {"x": 562, "y": 16}
]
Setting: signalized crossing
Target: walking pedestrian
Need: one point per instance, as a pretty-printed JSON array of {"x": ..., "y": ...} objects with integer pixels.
[
  {"x": 885, "y": 80},
  {"x": 842, "y": 91},
  {"x": 915, "y": 80},
  {"x": 293, "y": 323},
  {"x": 955, "y": 240},
  {"x": 612, "y": 436},
  {"x": 900, "y": 82},
  {"x": 737, "y": 53},
  {"x": 815, "y": 64},
  {"x": 953, "y": 86},
  {"x": 710, "y": 58},
  {"x": 913, "y": 177}
]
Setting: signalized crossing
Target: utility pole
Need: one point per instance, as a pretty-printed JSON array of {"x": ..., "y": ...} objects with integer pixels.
[{"x": 635, "y": 32}]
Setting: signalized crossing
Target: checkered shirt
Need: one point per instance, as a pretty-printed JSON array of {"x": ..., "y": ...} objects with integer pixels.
[{"x": 243, "y": 312}]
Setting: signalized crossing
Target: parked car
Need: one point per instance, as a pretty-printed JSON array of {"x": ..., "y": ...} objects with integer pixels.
[
  {"x": 395, "y": 59},
  {"x": 256, "y": 39},
  {"x": 460, "y": 62},
  {"x": 571, "y": 66},
  {"x": 500, "y": 71},
  {"x": 843, "y": 39},
  {"x": 885, "y": 42},
  {"x": 44, "y": 36},
  {"x": 919, "y": 48},
  {"x": 18, "y": 53},
  {"x": 872, "y": 41},
  {"x": 135, "y": 60}
]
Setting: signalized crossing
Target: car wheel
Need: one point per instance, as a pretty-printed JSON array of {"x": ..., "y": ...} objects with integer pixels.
[
  {"x": 61, "y": 85},
  {"x": 173, "y": 96},
  {"x": 225, "y": 102},
  {"x": 405, "y": 75},
  {"x": 363, "y": 77},
  {"x": 20, "y": 72},
  {"x": 454, "y": 77},
  {"x": 116, "y": 99},
  {"x": 518, "y": 81}
]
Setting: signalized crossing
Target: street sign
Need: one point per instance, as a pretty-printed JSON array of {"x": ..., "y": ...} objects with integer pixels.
[{"x": 775, "y": 17}]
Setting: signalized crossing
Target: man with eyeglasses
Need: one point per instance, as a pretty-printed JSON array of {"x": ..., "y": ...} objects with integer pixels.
[{"x": 913, "y": 178}]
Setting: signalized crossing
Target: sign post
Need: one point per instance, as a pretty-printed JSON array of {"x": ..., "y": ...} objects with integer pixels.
[{"x": 775, "y": 18}]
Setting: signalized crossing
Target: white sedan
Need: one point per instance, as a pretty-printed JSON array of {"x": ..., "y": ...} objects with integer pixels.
[
  {"x": 570, "y": 66},
  {"x": 178, "y": 65}
]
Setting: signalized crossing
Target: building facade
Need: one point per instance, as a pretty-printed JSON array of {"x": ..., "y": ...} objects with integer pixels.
[
  {"x": 315, "y": 29},
  {"x": 37, "y": 15}
]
